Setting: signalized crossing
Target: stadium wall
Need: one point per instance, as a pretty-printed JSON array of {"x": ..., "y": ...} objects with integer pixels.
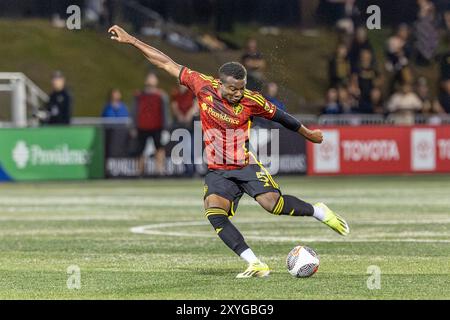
[
  {"x": 90, "y": 152},
  {"x": 381, "y": 150}
]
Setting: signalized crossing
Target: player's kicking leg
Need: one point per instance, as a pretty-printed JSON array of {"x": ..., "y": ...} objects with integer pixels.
[
  {"x": 279, "y": 204},
  {"x": 216, "y": 210},
  {"x": 261, "y": 186}
]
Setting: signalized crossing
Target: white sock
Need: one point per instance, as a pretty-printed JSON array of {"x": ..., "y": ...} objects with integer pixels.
[
  {"x": 249, "y": 256},
  {"x": 319, "y": 213}
]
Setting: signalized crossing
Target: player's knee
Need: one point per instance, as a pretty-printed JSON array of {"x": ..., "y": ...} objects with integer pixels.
[
  {"x": 216, "y": 201},
  {"x": 268, "y": 200},
  {"x": 216, "y": 210}
]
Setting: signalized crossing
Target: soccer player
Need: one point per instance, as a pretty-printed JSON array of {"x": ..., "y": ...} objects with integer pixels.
[{"x": 226, "y": 108}]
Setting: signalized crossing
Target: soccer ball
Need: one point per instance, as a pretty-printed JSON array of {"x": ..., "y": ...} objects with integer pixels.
[{"x": 302, "y": 262}]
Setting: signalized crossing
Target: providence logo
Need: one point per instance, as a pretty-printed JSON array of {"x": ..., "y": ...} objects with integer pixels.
[
  {"x": 21, "y": 154},
  {"x": 24, "y": 155}
]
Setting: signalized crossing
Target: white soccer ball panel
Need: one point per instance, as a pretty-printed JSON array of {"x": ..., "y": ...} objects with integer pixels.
[{"x": 302, "y": 262}]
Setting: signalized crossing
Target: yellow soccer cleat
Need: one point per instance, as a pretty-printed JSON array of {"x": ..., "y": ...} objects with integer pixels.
[
  {"x": 257, "y": 269},
  {"x": 334, "y": 221}
]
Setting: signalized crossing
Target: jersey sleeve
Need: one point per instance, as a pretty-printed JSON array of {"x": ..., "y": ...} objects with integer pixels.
[
  {"x": 193, "y": 80},
  {"x": 260, "y": 106}
]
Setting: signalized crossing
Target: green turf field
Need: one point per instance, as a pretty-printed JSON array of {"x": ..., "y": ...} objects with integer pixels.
[{"x": 400, "y": 224}]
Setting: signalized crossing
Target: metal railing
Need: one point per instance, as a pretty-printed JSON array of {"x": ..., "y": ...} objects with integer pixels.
[
  {"x": 94, "y": 121},
  {"x": 24, "y": 93},
  {"x": 352, "y": 119},
  {"x": 369, "y": 119},
  {"x": 307, "y": 119}
]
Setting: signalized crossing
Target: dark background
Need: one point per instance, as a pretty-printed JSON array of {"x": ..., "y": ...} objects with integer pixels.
[{"x": 224, "y": 13}]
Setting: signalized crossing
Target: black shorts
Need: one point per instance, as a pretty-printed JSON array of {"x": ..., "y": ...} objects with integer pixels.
[
  {"x": 143, "y": 135},
  {"x": 252, "y": 179}
]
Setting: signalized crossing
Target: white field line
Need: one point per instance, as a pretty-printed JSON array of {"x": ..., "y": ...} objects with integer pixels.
[
  {"x": 108, "y": 217},
  {"x": 158, "y": 229},
  {"x": 194, "y": 201},
  {"x": 73, "y": 218}
]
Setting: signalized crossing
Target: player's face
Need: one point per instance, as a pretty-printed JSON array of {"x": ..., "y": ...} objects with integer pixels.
[{"x": 232, "y": 89}]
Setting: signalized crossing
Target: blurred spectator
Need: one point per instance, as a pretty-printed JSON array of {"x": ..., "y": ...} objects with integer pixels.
[
  {"x": 57, "y": 9},
  {"x": 426, "y": 31},
  {"x": 347, "y": 101},
  {"x": 445, "y": 66},
  {"x": 398, "y": 49},
  {"x": 348, "y": 16},
  {"x": 331, "y": 103},
  {"x": 377, "y": 101},
  {"x": 403, "y": 76},
  {"x": 403, "y": 105},
  {"x": 59, "y": 106},
  {"x": 398, "y": 52},
  {"x": 255, "y": 64},
  {"x": 423, "y": 92},
  {"x": 272, "y": 95},
  {"x": 100, "y": 12},
  {"x": 183, "y": 107},
  {"x": 150, "y": 119},
  {"x": 364, "y": 78},
  {"x": 447, "y": 21},
  {"x": 95, "y": 12},
  {"x": 115, "y": 108},
  {"x": 374, "y": 104},
  {"x": 360, "y": 42},
  {"x": 339, "y": 69},
  {"x": 444, "y": 97},
  {"x": 430, "y": 105}
]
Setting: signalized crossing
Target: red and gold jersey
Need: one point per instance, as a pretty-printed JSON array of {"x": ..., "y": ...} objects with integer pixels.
[{"x": 225, "y": 127}]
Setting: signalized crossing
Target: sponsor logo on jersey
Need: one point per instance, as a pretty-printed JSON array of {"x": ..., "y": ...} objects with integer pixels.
[{"x": 222, "y": 116}]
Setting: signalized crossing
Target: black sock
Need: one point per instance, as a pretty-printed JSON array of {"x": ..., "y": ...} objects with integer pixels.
[
  {"x": 226, "y": 230},
  {"x": 293, "y": 206}
]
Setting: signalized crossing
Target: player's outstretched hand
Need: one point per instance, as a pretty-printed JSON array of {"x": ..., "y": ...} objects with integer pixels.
[
  {"x": 120, "y": 35},
  {"x": 315, "y": 136}
]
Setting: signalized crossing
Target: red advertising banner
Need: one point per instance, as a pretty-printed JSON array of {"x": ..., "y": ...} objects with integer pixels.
[
  {"x": 443, "y": 149},
  {"x": 380, "y": 150}
]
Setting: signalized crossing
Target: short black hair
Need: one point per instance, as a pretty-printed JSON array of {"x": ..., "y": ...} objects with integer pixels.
[{"x": 233, "y": 69}]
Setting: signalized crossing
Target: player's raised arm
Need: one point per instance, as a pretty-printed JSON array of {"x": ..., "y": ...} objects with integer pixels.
[{"x": 153, "y": 55}]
